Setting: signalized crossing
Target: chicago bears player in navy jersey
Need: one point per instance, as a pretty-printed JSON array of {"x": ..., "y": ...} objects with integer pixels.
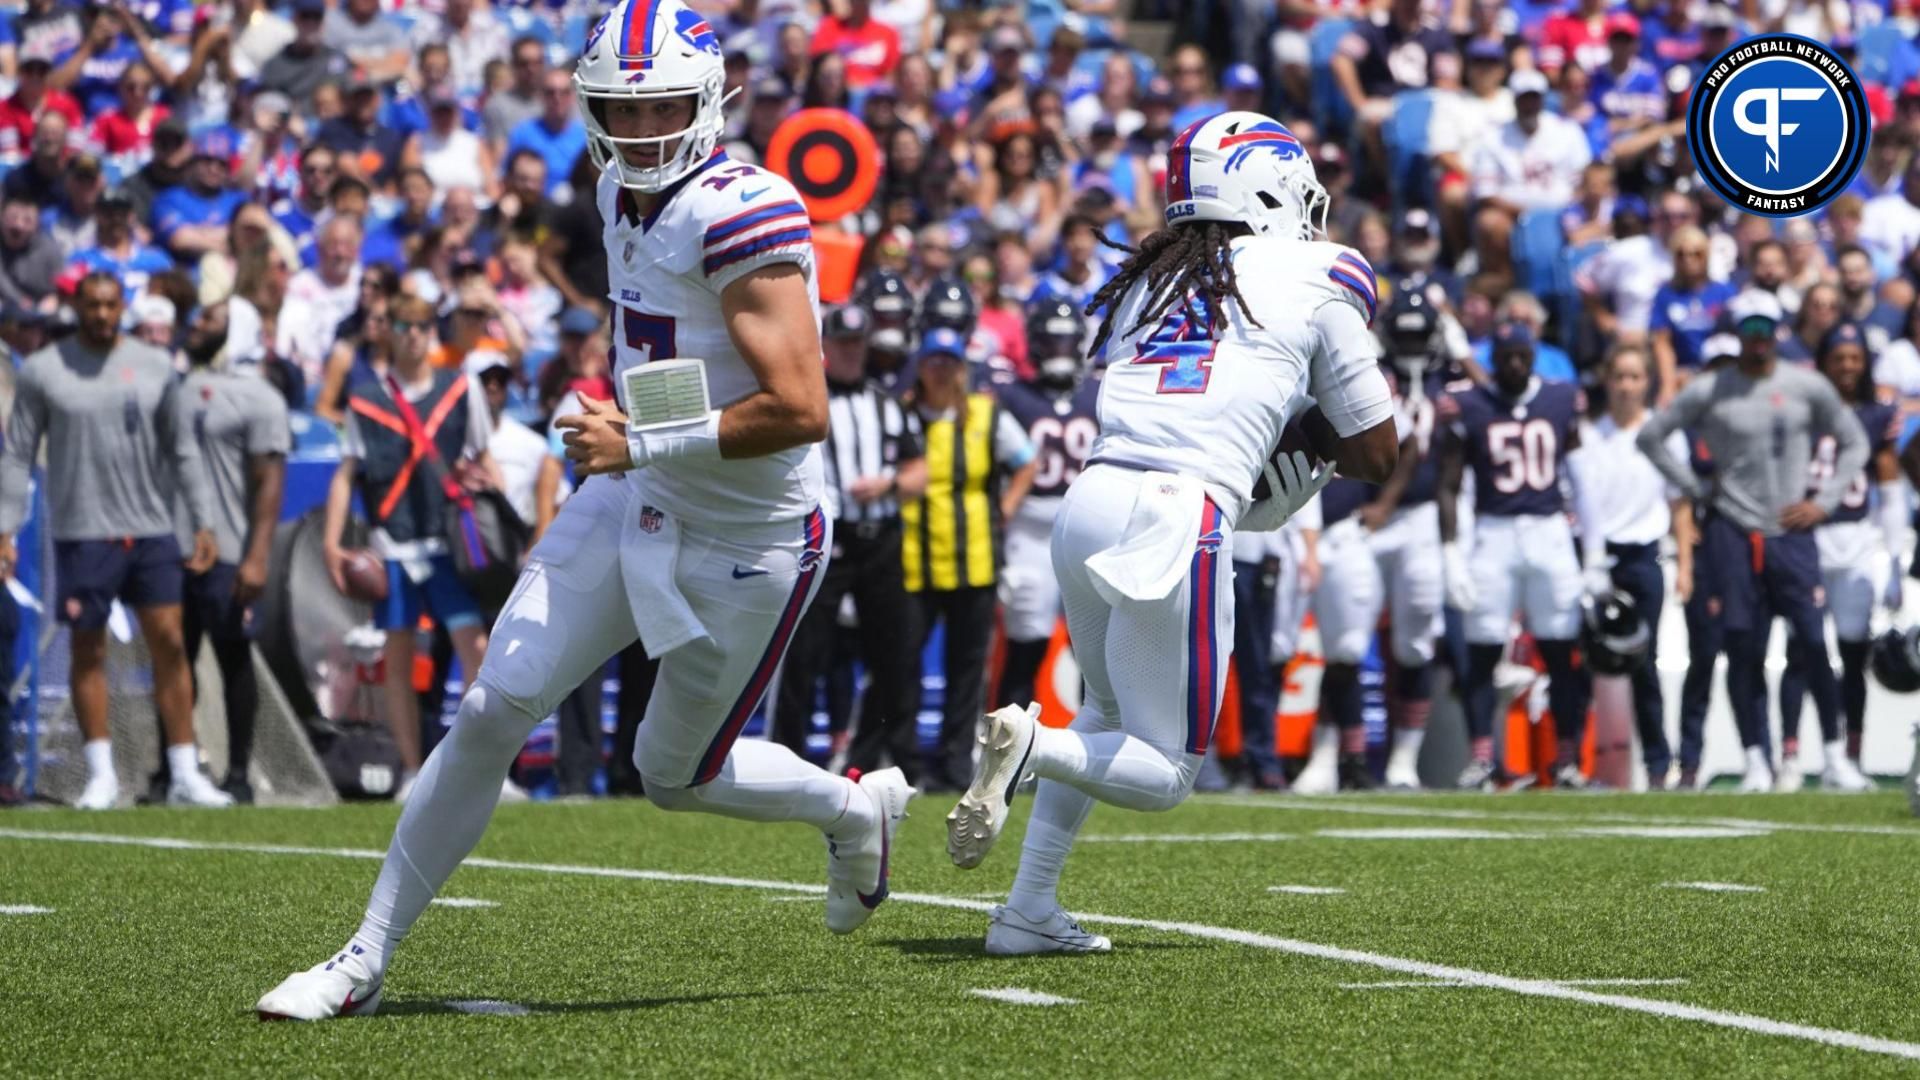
[
  {"x": 1059, "y": 410},
  {"x": 1858, "y": 561},
  {"x": 1515, "y": 435}
]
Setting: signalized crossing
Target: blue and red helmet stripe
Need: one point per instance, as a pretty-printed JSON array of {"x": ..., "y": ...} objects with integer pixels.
[
  {"x": 1180, "y": 163},
  {"x": 636, "y": 35}
]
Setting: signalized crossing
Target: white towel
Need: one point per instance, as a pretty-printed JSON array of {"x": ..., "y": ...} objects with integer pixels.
[
  {"x": 649, "y": 556},
  {"x": 1157, "y": 545}
]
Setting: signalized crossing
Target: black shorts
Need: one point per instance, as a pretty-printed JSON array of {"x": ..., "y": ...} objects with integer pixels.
[
  {"x": 1757, "y": 579},
  {"x": 92, "y": 574},
  {"x": 209, "y": 602}
]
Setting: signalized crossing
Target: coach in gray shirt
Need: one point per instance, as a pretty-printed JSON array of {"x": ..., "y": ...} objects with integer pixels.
[
  {"x": 239, "y": 425},
  {"x": 103, "y": 404},
  {"x": 1760, "y": 420}
]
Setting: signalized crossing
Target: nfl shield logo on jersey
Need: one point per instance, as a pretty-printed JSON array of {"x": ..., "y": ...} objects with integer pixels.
[{"x": 651, "y": 519}]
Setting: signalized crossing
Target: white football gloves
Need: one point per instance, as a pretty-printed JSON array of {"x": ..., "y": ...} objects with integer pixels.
[{"x": 1293, "y": 481}]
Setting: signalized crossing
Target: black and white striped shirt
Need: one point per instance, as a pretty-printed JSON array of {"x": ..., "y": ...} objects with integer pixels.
[{"x": 869, "y": 435}]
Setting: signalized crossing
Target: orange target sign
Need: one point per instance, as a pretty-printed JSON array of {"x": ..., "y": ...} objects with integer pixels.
[{"x": 830, "y": 157}]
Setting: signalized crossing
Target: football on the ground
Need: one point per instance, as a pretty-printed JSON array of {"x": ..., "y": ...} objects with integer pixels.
[{"x": 365, "y": 575}]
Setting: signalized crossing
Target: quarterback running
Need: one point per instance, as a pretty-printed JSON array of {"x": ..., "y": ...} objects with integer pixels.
[
  {"x": 1216, "y": 323},
  {"x": 698, "y": 530}
]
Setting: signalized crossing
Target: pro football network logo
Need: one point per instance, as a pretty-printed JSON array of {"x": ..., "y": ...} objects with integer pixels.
[{"x": 1778, "y": 125}]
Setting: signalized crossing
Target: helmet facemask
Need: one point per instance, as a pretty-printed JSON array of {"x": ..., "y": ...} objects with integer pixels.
[{"x": 695, "y": 142}]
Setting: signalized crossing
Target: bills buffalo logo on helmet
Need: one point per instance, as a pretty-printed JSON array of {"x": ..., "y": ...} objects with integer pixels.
[{"x": 695, "y": 31}]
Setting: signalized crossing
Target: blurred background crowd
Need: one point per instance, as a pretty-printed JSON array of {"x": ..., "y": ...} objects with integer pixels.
[{"x": 291, "y": 171}]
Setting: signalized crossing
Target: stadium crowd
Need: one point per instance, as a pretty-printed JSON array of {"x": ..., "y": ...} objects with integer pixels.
[{"x": 370, "y": 206}]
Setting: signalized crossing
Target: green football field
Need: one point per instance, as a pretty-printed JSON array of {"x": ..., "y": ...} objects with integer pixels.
[{"x": 1527, "y": 935}]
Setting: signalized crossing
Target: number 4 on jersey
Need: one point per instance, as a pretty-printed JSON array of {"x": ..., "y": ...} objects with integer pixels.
[{"x": 1185, "y": 345}]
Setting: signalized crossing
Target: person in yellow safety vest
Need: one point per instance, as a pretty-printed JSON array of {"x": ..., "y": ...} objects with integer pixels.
[{"x": 980, "y": 465}]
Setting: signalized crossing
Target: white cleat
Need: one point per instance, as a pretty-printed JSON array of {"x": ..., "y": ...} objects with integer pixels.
[
  {"x": 1842, "y": 774},
  {"x": 1013, "y": 934},
  {"x": 101, "y": 793},
  {"x": 1757, "y": 781},
  {"x": 511, "y": 792},
  {"x": 1402, "y": 779},
  {"x": 857, "y": 871},
  {"x": 1789, "y": 779},
  {"x": 194, "y": 789},
  {"x": 1314, "y": 780},
  {"x": 340, "y": 987},
  {"x": 976, "y": 821}
]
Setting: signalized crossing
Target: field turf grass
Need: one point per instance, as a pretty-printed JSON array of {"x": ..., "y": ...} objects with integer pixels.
[{"x": 151, "y": 957}]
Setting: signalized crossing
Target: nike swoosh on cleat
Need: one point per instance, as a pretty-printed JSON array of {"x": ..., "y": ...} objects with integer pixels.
[
  {"x": 739, "y": 573},
  {"x": 351, "y": 1005},
  {"x": 749, "y": 196}
]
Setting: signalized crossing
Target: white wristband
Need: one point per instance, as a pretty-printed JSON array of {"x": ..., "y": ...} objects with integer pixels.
[{"x": 700, "y": 439}]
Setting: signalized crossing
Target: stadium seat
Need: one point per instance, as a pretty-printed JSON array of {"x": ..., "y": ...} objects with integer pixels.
[
  {"x": 523, "y": 23},
  {"x": 1406, "y": 137},
  {"x": 1330, "y": 110}
]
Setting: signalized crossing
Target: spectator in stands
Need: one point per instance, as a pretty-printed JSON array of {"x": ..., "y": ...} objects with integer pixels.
[
  {"x": 29, "y": 258},
  {"x": 1193, "y": 93},
  {"x": 361, "y": 344},
  {"x": 115, "y": 40},
  {"x": 406, "y": 113},
  {"x": 472, "y": 36},
  {"x": 300, "y": 213},
  {"x": 125, "y": 132},
  {"x": 1686, "y": 310},
  {"x": 260, "y": 279},
  {"x": 448, "y": 408},
  {"x": 371, "y": 39},
  {"x": 1767, "y": 269},
  {"x": 533, "y": 476},
  {"x": 241, "y": 423},
  {"x": 951, "y": 533},
  {"x": 1079, "y": 272},
  {"x": 580, "y": 365},
  {"x": 520, "y": 101},
  {"x": 269, "y": 163},
  {"x": 1530, "y": 164},
  {"x": 153, "y": 318},
  {"x": 573, "y": 256},
  {"x": 558, "y": 134},
  {"x": 870, "y": 48},
  {"x": 1550, "y": 361},
  {"x": 1416, "y": 258},
  {"x": 529, "y": 300},
  {"x": 1860, "y": 300},
  {"x": 205, "y": 87},
  {"x": 826, "y": 83},
  {"x": 191, "y": 220},
  {"x": 366, "y": 148},
  {"x": 1113, "y": 102},
  {"x": 1464, "y": 120},
  {"x": 317, "y": 299},
  {"x": 1890, "y": 224},
  {"x": 480, "y": 323},
  {"x": 33, "y": 98},
  {"x": 108, "y": 475},
  {"x": 1619, "y": 283},
  {"x": 386, "y": 242},
  {"x": 1819, "y": 312},
  {"x": 1380, "y": 57},
  {"x": 451, "y": 155},
  {"x": 117, "y": 250},
  {"x": 38, "y": 179},
  {"x": 304, "y": 63},
  {"x": 167, "y": 168}
]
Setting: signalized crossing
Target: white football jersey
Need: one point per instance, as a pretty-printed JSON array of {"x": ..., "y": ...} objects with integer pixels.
[
  {"x": 665, "y": 273},
  {"x": 1176, "y": 398}
]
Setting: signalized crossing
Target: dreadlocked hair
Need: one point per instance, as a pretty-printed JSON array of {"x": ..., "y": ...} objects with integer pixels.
[{"x": 1189, "y": 262}]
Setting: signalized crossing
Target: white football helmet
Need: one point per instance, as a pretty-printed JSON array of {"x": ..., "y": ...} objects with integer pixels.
[
  {"x": 652, "y": 49},
  {"x": 1247, "y": 168}
]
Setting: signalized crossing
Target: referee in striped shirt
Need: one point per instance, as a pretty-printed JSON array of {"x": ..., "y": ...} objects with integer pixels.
[{"x": 874, "y": 458}]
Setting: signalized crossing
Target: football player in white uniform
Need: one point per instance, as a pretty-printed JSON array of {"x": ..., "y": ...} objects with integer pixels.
[
  {"x": 699, "y": 530},
  {"x": 1214, "y": 324}
]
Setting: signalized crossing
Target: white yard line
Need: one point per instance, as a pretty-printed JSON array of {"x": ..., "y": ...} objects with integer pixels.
[
  {"x": 464, "y": 902},
  {"x": 487, "y": 1008},
  {"x": 1711, "y": 886},
  {"x": 1013, "y": 995},
  {"x": 1539, "y": 988},
  {"x": 1369, "y": 806},
  {"x": 1430, "y": 984},
  {"x": 1307, "y": 890},
  {"x": 1640, "y": 832},
  {"x": 24, "y": 909},
  {"x": 1184, "y": 838}
]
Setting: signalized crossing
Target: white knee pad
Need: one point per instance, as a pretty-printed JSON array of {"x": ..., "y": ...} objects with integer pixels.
[
  {"x": 1188, "y": 768},
  {"x": 670, "y": 798}
]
